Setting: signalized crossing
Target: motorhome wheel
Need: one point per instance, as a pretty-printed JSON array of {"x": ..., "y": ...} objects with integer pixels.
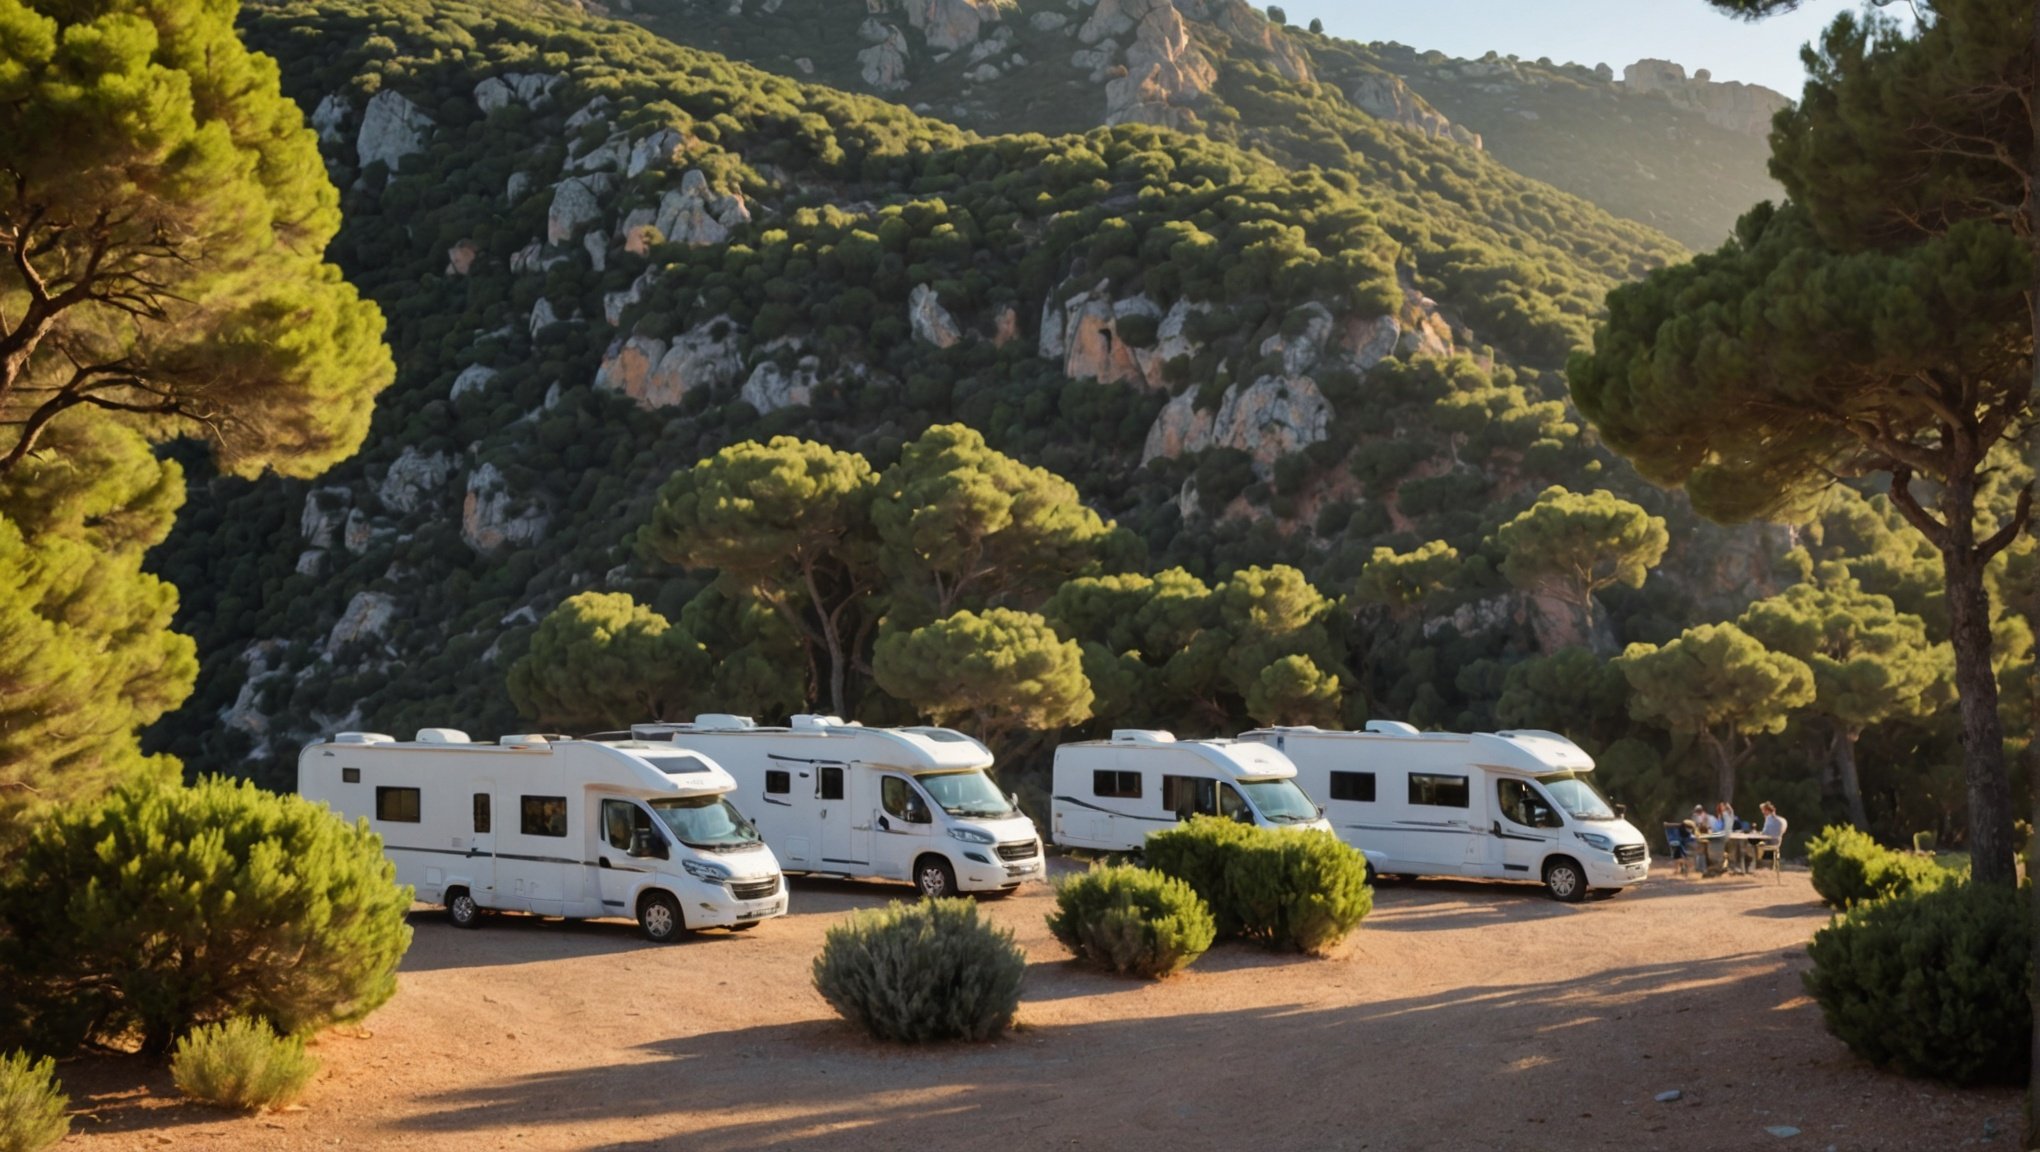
[
  {"x": 1564, "y": 880},
  {"x": 659, "y": 915},
  {"x": 934, "y": 877},
  {"x": 461, "y": 909}
]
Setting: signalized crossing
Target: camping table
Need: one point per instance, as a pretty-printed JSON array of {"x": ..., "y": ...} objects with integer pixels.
[
  {"x": 1712, "y": 845},
  {"x": 1745, "y": 845}
]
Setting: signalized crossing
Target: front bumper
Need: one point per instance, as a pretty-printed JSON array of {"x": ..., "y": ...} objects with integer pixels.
[
  {"x": 982, "y": 869},
  {"x": 714, "y": 906},
  {"x": 1606, "y": 873}
]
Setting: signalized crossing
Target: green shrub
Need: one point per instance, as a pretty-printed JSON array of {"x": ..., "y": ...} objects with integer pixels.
[
  {"x": 1131, "y": 921},
  {"x": 1931, "y": 983},
  {"x": 1297, "y": 890},
  {"x": 1850, "y": 868},
  {"x": 154, "y": 910},
  {"x": 32, "y": 1115},
  {"x": 927, "y": 971},
  {"x": 241, "y": 1064}
]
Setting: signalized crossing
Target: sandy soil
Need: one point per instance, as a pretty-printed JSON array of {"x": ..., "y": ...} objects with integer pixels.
[{"x": 1459, "y": 1016}]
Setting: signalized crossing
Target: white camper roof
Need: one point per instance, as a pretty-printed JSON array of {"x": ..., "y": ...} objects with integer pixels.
[
  {"x": 1233, "y": 759},
  {"x": 1532, "y": 751},
  {"x": 650, "y": 767},
  {"x": 915, "y": 749}
]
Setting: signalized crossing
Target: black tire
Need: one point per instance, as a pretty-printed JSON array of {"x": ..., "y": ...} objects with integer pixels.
[
  {"x": 461, "y": 909},
  {"x": 1372, "y": 878},
  {"x": 658, "y": 917},
  {"x": 1565, "y": 880},
  {"x": 933, "y": 877}
]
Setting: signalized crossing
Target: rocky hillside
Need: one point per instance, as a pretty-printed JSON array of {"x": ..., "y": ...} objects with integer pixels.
[
  {"x": 604, "y": 255},
  {"x": 1683, "y": 154}
]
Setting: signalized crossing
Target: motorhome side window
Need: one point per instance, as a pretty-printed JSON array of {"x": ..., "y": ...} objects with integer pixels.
[
  {"x": 1189, "y": 796},
  {"x": 832, "y": 782},
  {"x": 397, "y": 805},
  {"x": 1123, "y": 785},
  {"x": 1438, "y": 791},
  {"x": 900, "y": 802},
  {"x": 1357, "y": 786},
  {"x": 542, "y": 815},
  {"x": 778, "y": 781},
  {"x": 481, "y": 812},
  {"x": 350, "y": 775}
]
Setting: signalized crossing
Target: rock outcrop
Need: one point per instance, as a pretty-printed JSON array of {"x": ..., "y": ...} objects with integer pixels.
[
  {"x": 412, "y": 477},
  {"x": 575, "y": 203},
  {"x": 659, "y": 150},
  {"x": 695, "y": 216},
  {"x": 1084, "y": 334},
  {"x": 1733, "y": 105},
  {"x": 1165, "y": 70},
  {"x": 323, "y": 513},
  {"x": 1273, "y": 417},
  {"x": 949, "y": 24},
  {"x": 1253, "y": 34},
  {"x": 932, "y": 322},
  {"x": 491, "y": 517},
  {"x": 472, "y": 378},
  {"x": 771, "y": 387},
  {"x": 330, "y": 118},
  {"x": 391, "y": 129},
  {"x": 1386, "y": 97},
  {"x": 542, "y": 316},
  {"x": 460, "y": 259},
  {"x": 884, "y": 64},
  {"x": 367, "y": 617},
  {"x": 532, "y": 89},
  {"x": 658, "y": 375}
]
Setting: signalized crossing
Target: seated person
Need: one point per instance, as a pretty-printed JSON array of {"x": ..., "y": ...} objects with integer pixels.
[
  {"x": 1774, "y": 824},
  {"x": 1701, "y": 820},
  {"x": 1724, "y": 818}
]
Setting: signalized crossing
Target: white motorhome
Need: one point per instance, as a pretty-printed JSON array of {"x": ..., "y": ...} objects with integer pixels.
[
  {"x": 1505, "y": 805},
  {"x": 840, "y": 799},
  {"x": 553, "y": 826},
  {"x": 1107, "y": 795}
]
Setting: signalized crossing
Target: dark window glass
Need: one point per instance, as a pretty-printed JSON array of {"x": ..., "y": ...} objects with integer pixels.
[
  {"x": 350, "y": 775},
  {"x": 481, "y": 812},
  {"x": 1353, "y": 786},
  {"x": 1521, "y": 804},
  {"x": 1438, "y": 791},
  {"x": 1189, "y": 796},
  {"x": 398, "y": 805},
  {"x": 1233, "y": 806},
  {"x": 832, "y": 782},
  {"x": 542, "y": 815},
  {"x": 1125, "y": 785},
  {"x": 901, "y": 801},
  {"x": 778, "y": 782},
  {"x": 617, "y": 824}
]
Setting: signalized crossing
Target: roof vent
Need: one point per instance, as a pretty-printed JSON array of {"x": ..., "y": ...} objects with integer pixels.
[
  {"x": 721, "y": 722},
  {"x": 1392, "y": 728},
  {"x": 363, "y": 738},
  {"x": 809, "y": 722},
  {"x": 442, "y": 736},
  {"x": 522, "y": 738},
  {"x": 1142, "y": 736}
]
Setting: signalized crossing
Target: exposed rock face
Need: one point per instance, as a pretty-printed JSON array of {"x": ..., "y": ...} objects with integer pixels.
[
  {"x": 460, "y": 258},
  {"x": 358, "y": 533},
  {"x": 658, "y": 375},
  {"x": 1505, "y": 610},
  {"x": 695, "y": 216},
  {"x": 330, "y": 118},
  {"x": 1386, "y": 97},
  {"x": 932, "y": 322},
  {"x": 1178, "y": 429},
  {"x": 948, "y": 24},
  {"x": 515, "y": 187},
  {"x": 324, "y": 511},
  {"x": 1735, "y": 106},
  {"x": 391, "y": 129},
  {"x": 1274, "y": 417},
  {"x": 1048, "y": 21},
  {"x": 597, "y": 248},
  {"x": 543, "y": 316},
  {"x": 245, "y": 713},
  {"x": 1252, "y": 31},
  {"x": 884, "y": 64},
  {"x": 531, "y": 89},
  {"x": 1088, "y": 339},
  {"x": 367, "y": 617},
  {"x": 1172, "y": 339},
  {"x": 574, "y": 204},
  {"x": 615, "y": 303},
  {"x": 491, "y": 518},
  {"x": 412, "y": 478},
  {"x": 659, "y": 150},
  {"x": 1369, "y": 341},
  {"x": 588, "y": 114},
  {"x": 472, "y": 378},
  {"x": 1164, "y": 70},
  {"x": 771, "y": 387},
  {"x": 1301, "y": 350},
  {"x": 1005, "y": 326},
  {"x": 609, "y": 156}
]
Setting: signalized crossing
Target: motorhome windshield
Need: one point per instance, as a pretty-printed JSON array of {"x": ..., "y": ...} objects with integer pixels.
[
  {"x": 1280, "y": 800},
  {"x": 706, "y": 822},
  {"x": 970, "y": 793},
  {"x": 1576, "y": 796}
]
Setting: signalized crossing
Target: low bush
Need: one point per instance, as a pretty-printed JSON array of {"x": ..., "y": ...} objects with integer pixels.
[
  {"x": 1297, "y": 890},
  {"x": 154, "y": 910},
  {"x": 927, "y": 971},
  {"x": 32, "y": 1115},
  {"x": 1131, "y": 921},
  {"x": 241, "y": 1064},
  {"x": 1850, "y": 868},
  {"x": 1931, "y": 983}
]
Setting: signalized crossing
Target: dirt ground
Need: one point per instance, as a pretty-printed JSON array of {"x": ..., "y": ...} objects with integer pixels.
[{"x": 1459, "y": 1016}]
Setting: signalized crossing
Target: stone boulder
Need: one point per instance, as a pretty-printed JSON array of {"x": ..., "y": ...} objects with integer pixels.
[
  {"x": 1385, "y": 97},
  {"x": 949, "y": 24},
  {"x": 366, "y": 617},
  {"x": 1165, "y": 71},
  {"x": 884, "y": 64},
  {"x": 1300, "y": 351},
  {"x": 659, "y": 150},
  {"x": 330, "y": 118},
  {"x": 588, "y": 113},
  {"x": 612, "y": 155},
  {"x": 1735, "y": 106},
  {"x": 413, "y": 476},
  {"x": 575, "y": 203},
  {"x": 1272, "y": 418},
  {"x": 542, "y": 316},
  {"x": 1368, "y": 341},
  {"x": 1178, "y": 429},
  {"x": 659, "y": 375},
  {"x": 472, "y": 378},
  {"x": 695, "y": 216},
  {"x": 1088, "y": 339},
  {"x": 614, "y": 304},
  {"x": 491, "y": 517},
  {"x": 1005, "y": 326},
  {"x": 1253, "y": 35},
  {"x": 323, "y": 513},
  {"x": 460, "y": 259},
  {"x": 932, "y": 322},
  {"x": 771, "y": 387},
  {"x": 531, "y": 89},
  {"x": 391, "y": 129},
  {"x": 359, "y": 531},
  {"x": 597, "y": 247}
]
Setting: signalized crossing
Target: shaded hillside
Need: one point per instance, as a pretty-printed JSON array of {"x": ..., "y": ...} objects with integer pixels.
[
  {"x": 1684, "y": 155},
  {"x": 604, "y": 256}
]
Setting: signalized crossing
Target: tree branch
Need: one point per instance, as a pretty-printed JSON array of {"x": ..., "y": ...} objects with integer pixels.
[{"x": 1909, "y": 507}]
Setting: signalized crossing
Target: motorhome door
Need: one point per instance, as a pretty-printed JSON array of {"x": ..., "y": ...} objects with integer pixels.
[
  {"x": 480, "y": 865},
  {"x": 1523, "y": 829},
  {"x": 844, "y": 816},
  {"x": 902, "y": 825},
  {"x": 1435, "y": 830}
]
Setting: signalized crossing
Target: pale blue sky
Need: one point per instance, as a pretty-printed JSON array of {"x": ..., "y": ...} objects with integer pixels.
[{"x": 1614, "y": 32}]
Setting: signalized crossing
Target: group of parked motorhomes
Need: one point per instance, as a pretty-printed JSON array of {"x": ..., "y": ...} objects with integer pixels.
[{"x": 689, "y": 825}]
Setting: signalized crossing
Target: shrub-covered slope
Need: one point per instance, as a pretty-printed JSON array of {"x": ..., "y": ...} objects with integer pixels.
[{"x": 603, "y": 256}]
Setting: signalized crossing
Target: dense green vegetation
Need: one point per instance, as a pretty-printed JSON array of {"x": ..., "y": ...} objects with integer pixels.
[
  {"x": 1131, "y": 921},
  {"x": 1290, "y": 890},
  {"x": 912, "y": 973}
]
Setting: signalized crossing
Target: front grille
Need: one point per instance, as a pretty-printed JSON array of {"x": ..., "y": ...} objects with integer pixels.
[
  {"x": 1630, "y": 854},
  {"x": 755, "y": 889},
  {"x": 1021, "y": 850}
]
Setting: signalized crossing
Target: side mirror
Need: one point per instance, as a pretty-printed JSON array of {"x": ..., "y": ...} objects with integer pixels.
[
  {"x": 1013, "y": 801},
  {"x": 1622, "y": 811}
]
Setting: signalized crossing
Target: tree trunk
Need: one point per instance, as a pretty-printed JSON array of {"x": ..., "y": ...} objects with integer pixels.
[
  {"x": 1852, "y": 784},
  {"x": 1983, "y": 735},
  {"x": 1724, "y": 767}
]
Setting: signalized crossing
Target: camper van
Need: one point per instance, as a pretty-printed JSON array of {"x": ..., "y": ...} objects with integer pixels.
[
  {"x": 1107, "y": 795},
  {"x": 839, "y": 799},
  {"x": 1506, "y": 805},
  {"x": 554, "y": 826}
]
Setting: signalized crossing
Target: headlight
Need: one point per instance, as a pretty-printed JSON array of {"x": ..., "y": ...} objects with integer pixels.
[
  {"x": 1596, "y": 840},
  {"x": 703, "y": 870},
  {"x": 971, "y": 835}
]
